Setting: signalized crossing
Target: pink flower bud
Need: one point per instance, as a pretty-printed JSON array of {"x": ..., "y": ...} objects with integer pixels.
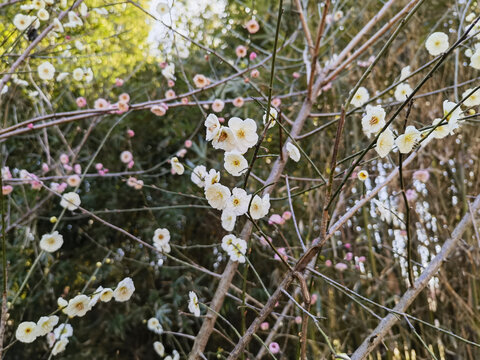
[
  {"x": 130, "y": 133},
  {"x": 171, "y": 83},
  {"x": 130, "y": 164},
  {"x": 30, "y": 126},
  {"x": 349, "y": 256},
  {"x": 287, "y": 215},
  {"x": 99, "y": 166},
  {"x": 252, "y": 56},
  {"x": 77, "y": 168},
  {"x": 81, "y": 102},
  {"x": 264, "y": 326},
  {"x": 188, "y": 144},
  {"x": 118, "y": 82},
  {"x": 296, "y": 75},
  {"x": 45, "y": 167}
]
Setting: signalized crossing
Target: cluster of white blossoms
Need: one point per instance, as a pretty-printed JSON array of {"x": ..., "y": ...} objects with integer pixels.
[
  {"x": 28, "y": 331},
  {"x": 374, "y": 121},
  {"x": 160, "y": 350},
  {"x": 154, "y": 325},
  {"x": 239, "y": 136},
  {"x": 161, "y": 240},
  {"x": 234, "y": 247}
]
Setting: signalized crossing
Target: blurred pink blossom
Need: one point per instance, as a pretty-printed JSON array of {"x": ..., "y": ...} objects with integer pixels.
[
  {"x": 252, "y": 56},
  {"x": 274, "y": 348},
  {"x": 349, "y": 256},
  {"x": 81, "y": 102},
  {"x": 7, "y": 189},
  {"x": 276, "y": 219},
  {"x": 188, "y": 144},
  {"x": 264, "y": 326},
  {"x": 287, "y": 215},
  {"x": 45, "y": 167},
  {"x": 119, "y": 82},
  {"x": 130, "y": 133},
  {"x": 341, "y": 266},
  {"x": 421, "y": 175}
]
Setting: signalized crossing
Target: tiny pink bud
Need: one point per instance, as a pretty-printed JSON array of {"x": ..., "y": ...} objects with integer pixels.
[
  {"x": 30, "y": 126},
  {"x": 253, "y": 56},
  {"x": 130, "y": 164},
  {"x": 119, "y": 82},
  {"x": 45, "y": 167},
  {"x": 130, "y": 133},
  {"x": 99, "y": 166},
  {"x": 188, "y": 144}
]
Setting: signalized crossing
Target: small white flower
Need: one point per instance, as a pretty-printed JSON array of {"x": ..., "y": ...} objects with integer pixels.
[
  {"x": 51, "y": 242},
  {"x": 385, "y": 143},
  {"x": 245, "y": 132},
  {"x": 46, "y": 71},
  {"x": 57, "y": 26},
  {"x": 440, "y": 131},
  {"x": 198, "y": 175},
  {"x": 70, "y": 201},
  {"x": 162, "y": 8},
  {"x": 78, "y": 306},
  {"x": 374, "y": 120},
  {"x": 62, "y": 304},
  {"x": 238, "y": 202},
  {"x": 224, "y": 139},
  {"x": 22, "y": 22},
  {"x": 159, "y": 348},
  {"x": 73, "y": 20},
  {"x": 213, "y": 126},
  {"x": 95, "y": 297},
  {"x": 106, "y": 295},
  {"x": 406, "y": 141},
  {"x": 360, "y": 97},
  {"x": 234, "y": 247},
  {"x": 472, "y": 100},
  {"x": 78, "y": 74},
  {"x": 60, "y": 346},
  {"x": 169, "y": 71},
  {"x": 218, "y": 105},
  {"x": 73, "y": 180},
  {"x": 126, "y": 156},
  {"x": 260, "y": 207},
  {"x": 362, "y": 175},
  {"x": 452, "y": 119},
  {"x": 402, "y": 92},
  {"x": 405, "y": 73},
  {"x": 272, "y": 118},
  {"x": 154, "y": 325},
  {"x": 124, "y": 290},
  {"x": 46, "y": 324},
  {"x": 62, "y": 76},
  {"x": 293, "y": 152},
  {"x": 177, "y": 166},
  {"x": 63, "y": 331},
  {"x": 475, "y": 59},
  {"x": 437, "y": 43},
  {"x": 83, "y": 9},
  {"x": 43, "y": 14},
  {"x": 161, "y": 236},
  {"x": 193, "y": 305},
  {"x": 228, "y": 220},
  {"x": 212, "y": 177},
  {"x": 217, "y": 195},
  {"x": 235, "y": 163},
  {"x": 26, "y": 332}
]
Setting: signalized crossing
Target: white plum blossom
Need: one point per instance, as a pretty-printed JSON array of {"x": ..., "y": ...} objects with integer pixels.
[
  {"x": 224, "y": 139},
  {"x": 406, "y": 141},
  {"x": 475, "y": 59},
  {"x": 78, "y": 306},
  {"x": 385, "y": 143},
  {"x": 46, "y": 324},
  {"x": 260, "y": 206},
  {"x": 238, "y": 202},
  {"x": 159, "y": 348},
  {"x": 154, "y": 325},
  {"x": 213, "y": 126},
  {"x": 440, "y": 131},
  {"x": 455, "y": 115},
  {"x": 374, "y": 120},
  {"x": 60, "y": 346},
  {"x": 169, "y": 71},
  {"x": 406, "y": 71},
  {"x": 124, "y": 290},
  {"x": 293, "y": 152},
  {"x": 193, "y": 305},
  {"x": 198, "y": 176},
  {"x": 361, "y": 97},
  {"x": 217, "y": 195},
  {"x": 51, "y": 242},
  {"x": 177, "y": 166},
  {"x": 402, "y": 92},
  {"x": 272, "y": 118},
  {"x": 437, "y": 43},
  {"x": 63, "y": 331},
  {"x": 26, "y": 332},
  {"x": 228, "y": 220},
  {"x": 70, "y": 201},
  {"x": 235, "y": 163},
  {"x": 234, "y": 247},
  {"x": 245, "y": 132},
  {"x": 212, "y": 177},
  {"x": 46, "y": 71},
  {"x": 472, "y": 100},
  {"x": 161, "y": 240}
]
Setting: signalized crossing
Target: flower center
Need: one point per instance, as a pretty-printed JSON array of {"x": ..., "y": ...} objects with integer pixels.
[
  {"x": 374, "y": 120},
  {"x": 236, "y": 162}
]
